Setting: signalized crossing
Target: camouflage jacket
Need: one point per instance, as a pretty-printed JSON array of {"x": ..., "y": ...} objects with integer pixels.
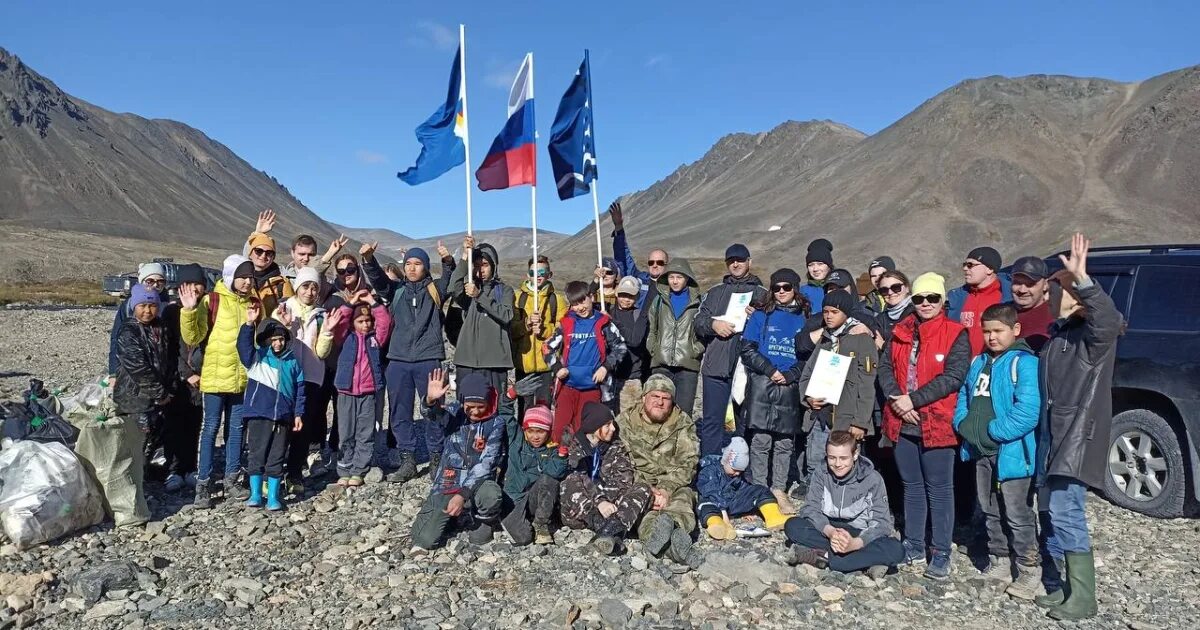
[{"x": 664, "y": 455}]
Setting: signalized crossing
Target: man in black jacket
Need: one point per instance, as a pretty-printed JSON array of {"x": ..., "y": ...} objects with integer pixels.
[
  {"x": 1076, "y": 373},
  {"x": 721, "y": 333}
]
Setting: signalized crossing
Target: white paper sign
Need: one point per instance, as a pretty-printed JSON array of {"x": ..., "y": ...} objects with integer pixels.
[
  {"x": 735, "y": 313},
  {"x": 829, "y": 376}
]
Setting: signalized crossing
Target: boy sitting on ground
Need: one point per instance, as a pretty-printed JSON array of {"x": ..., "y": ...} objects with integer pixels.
[
  {"x": 725, "y": 492},
  {"x": 535, "y": 467}
]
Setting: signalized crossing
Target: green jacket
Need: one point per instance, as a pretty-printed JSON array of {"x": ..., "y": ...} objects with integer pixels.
[
  {"x": 664, "y": 455},
  {"x": 485, "y": 341},
  {"x": 672, "y": 342},
  {"x": 526, "y": 463}
]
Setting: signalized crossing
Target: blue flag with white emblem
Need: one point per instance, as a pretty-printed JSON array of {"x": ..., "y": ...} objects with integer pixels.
[
  {"x": 572, "y": 145},
  {"x": 441, "y": 136}
]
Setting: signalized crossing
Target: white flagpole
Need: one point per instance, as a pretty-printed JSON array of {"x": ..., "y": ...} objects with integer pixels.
[
  {"x": 462, "y": 73},
  {"x": 533, "y": 202},
  {"x": 599, "y": 250}
]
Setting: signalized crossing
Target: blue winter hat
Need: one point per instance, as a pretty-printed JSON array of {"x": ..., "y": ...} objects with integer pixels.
[
  {"x": 736, "y": 454},
  {"x": 474, "y": 387},
  {"x": 143, "y": 295},
  {"x": 419, "y": 254}
]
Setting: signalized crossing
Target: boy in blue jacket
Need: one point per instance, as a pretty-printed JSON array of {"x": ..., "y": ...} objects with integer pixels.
[
  {"x": 725, "y": 491},
  {"x": 465, "y": 491},
  {"x": 273, "y": 404},
  {"x": 998, "y": 408}
]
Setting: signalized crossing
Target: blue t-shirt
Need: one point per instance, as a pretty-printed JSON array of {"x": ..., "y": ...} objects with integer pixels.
[
  {"x": 680, "y": 301},
  {"x": 583, "y": 355},
  {"x": 775, "y": 334}
]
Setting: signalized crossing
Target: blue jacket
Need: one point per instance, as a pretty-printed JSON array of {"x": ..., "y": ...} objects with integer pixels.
[
  {"x": 275, "y": 383},
  {"x": 774, "y": 334},
  {"x": 717, "y": 489},
  {"x": 958, "y": 295},
  {"x": 815, "y": 296},
  {"x": 1017, "y": 406},
  {"x": 471, "y": 451},
  {"x": 628, "y": 266}
]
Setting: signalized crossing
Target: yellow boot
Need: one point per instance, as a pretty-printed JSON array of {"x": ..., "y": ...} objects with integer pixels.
[
  {"x": 718, "y": 529},
  {"x": 774, "y": 518}
]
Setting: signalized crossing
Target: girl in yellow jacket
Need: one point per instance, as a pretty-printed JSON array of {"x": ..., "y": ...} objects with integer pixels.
[{"x": 212, "y": 321}]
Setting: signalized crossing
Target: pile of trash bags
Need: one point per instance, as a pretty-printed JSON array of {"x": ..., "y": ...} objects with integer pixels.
[{"x": 66, "y": 463}]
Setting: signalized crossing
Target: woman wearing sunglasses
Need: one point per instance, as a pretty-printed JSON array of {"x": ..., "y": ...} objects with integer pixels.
[
  {"x": 897, "y": 304},
  {"x": 919, "y": 374},
  {"x": 771, "y": 410}
]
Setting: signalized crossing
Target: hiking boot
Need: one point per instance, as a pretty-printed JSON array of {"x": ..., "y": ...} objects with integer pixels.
[
  {"x": 808, "y": 555},
  {"x": 481, "y": 534},
  {"x": 407, "y": 469},
  {"x": 660, "y": 535},
  {"x": 681, "y": 544},
  {"x": 606, "y": 545},
  {"x": 1028, "y": 584},
  {"x": 294, "y": 487},
  {"x": 998, "y": 568},
  {"x": 1080, "y": 602},
  {"x": 939, "y": 566},
  {"x": 355, "y": 481},
  {"x": 435, "y": 460},
  {"x": 1056, "y": 591},
  {"x": 914, "y": 555},
  {"x": 203, "y": 500},
  {"x": 174, "y": 483},
  {"x": 233, "y": 489},
  {"x": 542, "y": 535}
]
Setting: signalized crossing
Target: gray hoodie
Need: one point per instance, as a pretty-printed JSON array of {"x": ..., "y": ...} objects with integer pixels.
[
  {"x": 484, "y": 342},
  {"x": 858, "y": 500}
]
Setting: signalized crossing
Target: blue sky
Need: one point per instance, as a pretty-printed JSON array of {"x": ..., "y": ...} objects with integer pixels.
[{"x": 325, "y": 96}]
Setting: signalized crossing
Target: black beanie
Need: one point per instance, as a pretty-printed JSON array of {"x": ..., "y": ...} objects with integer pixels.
[
  {"x": 785, "y": 275},
  {"x": 244, "y": 270},
  {"x": 987, "y": 256},
  {"x": 840, "y": 300},
  {"x": 820, "y": 250},
  {"x": 593, "y": 416},
  {"x": 191, "y": 273},
  {"x": 882, "y": 261}
]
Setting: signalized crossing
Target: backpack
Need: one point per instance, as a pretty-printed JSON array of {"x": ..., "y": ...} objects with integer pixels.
[{"x": 433, "y": 294}]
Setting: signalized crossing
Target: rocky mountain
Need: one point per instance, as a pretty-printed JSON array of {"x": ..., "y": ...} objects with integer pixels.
[
  {"x": 69, "y": 165},
  {"x": 1018, "y": 163},
  {"x": 511, "y": 243}
]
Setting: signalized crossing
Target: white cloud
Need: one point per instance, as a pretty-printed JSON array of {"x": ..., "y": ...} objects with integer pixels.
[
  {"x": 500, "y": 74},
  {"x": 657, "y": 61},
  {"x": 370, "y": 157},
  {"x": 433, "y": 34}
]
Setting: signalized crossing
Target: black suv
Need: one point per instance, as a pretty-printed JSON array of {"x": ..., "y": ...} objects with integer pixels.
[
  {"x": 120, "y": 286},
  {"x": 1152, "y": 454}
]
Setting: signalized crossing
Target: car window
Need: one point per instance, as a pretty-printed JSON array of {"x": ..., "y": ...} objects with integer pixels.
[
  {"x": 1116, "y": 285},
  {"x": 1166, "y": 298}
]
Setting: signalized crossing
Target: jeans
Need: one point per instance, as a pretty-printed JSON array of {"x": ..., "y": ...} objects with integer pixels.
[
  {"x": 268, "y": 442},
  {"x": 405, "y": 381},
  {"x": 814, "y": 451},
  {"x": 1068, "y": 531},
  {"x": 928, "y": 476},
  {"x": 685, "y": 386},
  {"x": 216, "y": 406},
  {"x": 771, "y": 458},
  {"x": 714, "y": 404},
  {"x": 1009, "y": 517},
  {"x": 885, "y": 550}
]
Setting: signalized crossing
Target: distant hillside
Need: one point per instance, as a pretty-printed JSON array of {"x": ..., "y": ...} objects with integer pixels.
[
  {"x": 1018, "y": 163},
  {"x": 511, "y": 243}
]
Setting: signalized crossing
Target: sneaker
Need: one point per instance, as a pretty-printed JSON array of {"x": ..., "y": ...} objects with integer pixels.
[
  {"x": 939, "y": 566},
  {"x": 660, "y": 535},
  {"x": 203, "y": 500},
  {"x": 998, "y": 569},
  {"x": 681, "y": 545},
  {"x": 542, "y": 535},
  {"x": 174, "y": 483},
  {"x": 233, "y": 489},
  {"x": 355, "y": 481},
  {"x": 808, "y": 555},
  {"x": 877, "y": 572},
  {"x": 1028, "y": 584},
  {"x": 914, "y": 555}
]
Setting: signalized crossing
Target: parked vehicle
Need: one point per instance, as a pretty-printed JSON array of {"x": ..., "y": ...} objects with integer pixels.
[
  {"x": 1153, "y": 455},
  {"x": 121, "y": 285}
]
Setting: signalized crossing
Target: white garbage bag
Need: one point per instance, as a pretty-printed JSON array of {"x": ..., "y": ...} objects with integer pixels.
[{"x": 45, "y": 493}]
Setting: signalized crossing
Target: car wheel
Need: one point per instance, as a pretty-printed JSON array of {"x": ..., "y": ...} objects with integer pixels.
[{"x": 1145, "y": 466}]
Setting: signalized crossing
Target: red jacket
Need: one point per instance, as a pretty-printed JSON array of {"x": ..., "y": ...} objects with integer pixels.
[{"x": 937, "y": 337}]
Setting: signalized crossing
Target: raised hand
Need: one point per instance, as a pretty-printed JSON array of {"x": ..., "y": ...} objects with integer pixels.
[
  {"x": 363, "y": 296},
  {"x": 189, "y": 296},
  {"x": 266, "y": 221},
  {"x": 1076, "y": 262},
  {"x": 368, "y": 249},
  {"x": 442, "y": 250},
  {"x": 253, "y": 310},
  {"x": 618, "y": 217},
  {"x": 333, "y": 319},
  {"x": 438, "y": 385},
  {"x": 336, "y": 246},
  {"x": 284, "y": 315}
]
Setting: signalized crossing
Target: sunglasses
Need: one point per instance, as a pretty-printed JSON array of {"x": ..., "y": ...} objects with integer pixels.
[
  {"x": 895, "y": 288},
  {"x": 782, "y": 288},
  {"x": 968, "y": 265},
  {"x": 541, "y": 273},
  {"x": 258, "y": 251},
  {"x": 921, "y": 299},
  {"x": 347, "y": 271},
  {"x": 609, "y": 272},
  {"x": 730, "y": 261},
  {"x": 656, "y": 263}
]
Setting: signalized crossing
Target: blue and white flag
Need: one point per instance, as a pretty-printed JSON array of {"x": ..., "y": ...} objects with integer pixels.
[
  {"x": 572, "y": 146},
  {"x": 441, "y": 135}
]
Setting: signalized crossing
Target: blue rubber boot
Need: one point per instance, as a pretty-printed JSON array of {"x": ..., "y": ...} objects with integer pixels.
[
  {"x": 256, "y": 498},
  {"x": 273, "y": 486}
]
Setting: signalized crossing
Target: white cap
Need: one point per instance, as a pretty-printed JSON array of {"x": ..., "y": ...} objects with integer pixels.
[
  {"x": 306, "y": 274},
  {"x": 145, "y": 270},
  {"x": 629, "y": 285}
]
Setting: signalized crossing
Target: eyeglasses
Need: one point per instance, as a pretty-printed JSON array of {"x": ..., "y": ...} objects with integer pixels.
[
  {"x": 969, "y": 265},
  {"x": 541, "y": 273},
  {"x": 347, "y": 271},
  {"x": 152, "y": 282},
  {"x": 782, "y": 288},
  {"x": 921, "y": 299},
  {"x": 895, "y": 288},
  {"x": 656, "y": 263},
  {"x": 258, "y": 251}
]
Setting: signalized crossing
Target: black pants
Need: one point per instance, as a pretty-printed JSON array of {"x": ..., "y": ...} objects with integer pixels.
[
  {"x": 685, "y": 381},
  {"x": 886, "y": 551},
  {"x": 324, "y": 430},
  {"x": 177, "y": 433},
  {"x": 313, "y": 432},
  {"x": 537, "y": 507},
  {"x": 268, "y": 443}
]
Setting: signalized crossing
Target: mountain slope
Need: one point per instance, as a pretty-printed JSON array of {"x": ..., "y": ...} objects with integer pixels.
[
  {"x": 67, "y": 164},
  {"x": 1017, "y": 163}
]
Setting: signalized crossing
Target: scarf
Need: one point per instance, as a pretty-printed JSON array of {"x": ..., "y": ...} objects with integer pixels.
[{"x": 896, "y": 312}]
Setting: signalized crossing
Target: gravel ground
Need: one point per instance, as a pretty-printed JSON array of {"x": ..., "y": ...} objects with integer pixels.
[{"x": 341, "y": 560}]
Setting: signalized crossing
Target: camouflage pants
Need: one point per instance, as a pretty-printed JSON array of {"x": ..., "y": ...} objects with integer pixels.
[
  {"x": 579, "y": 497},
  {"x": 681, "y": 508}
]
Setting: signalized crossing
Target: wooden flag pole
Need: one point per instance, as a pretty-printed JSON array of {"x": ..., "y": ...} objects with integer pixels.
[{"x": 462, "y": 73}]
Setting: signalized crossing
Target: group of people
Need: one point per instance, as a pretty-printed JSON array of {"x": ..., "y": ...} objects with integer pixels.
[{"x": 1005, "y": 377}]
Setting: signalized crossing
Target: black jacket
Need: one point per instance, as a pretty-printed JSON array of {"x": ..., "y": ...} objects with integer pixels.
[
  {"x": 884, "y": 324},
  {"x": 804, "y": 342},
  {"x": 145, "y": 374},
  {"x": 416, "y": 314},
  {"x": 769, "y": 406},
  {"x": 721, "y": 355},
  {"x": 634, "y": 325},
  {"x": 1076, "y": 374}
]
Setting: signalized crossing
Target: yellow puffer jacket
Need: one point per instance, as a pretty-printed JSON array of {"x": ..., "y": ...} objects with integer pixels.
[
  {"x": 526, "y": 345},
  {"x": 222, "y": 371}
]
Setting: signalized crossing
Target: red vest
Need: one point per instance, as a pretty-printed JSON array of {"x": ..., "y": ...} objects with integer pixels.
[{"x": 936, "y": 336}]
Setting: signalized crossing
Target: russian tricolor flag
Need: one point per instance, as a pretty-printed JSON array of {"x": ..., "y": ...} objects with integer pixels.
[{"x": 512, "y": 160}]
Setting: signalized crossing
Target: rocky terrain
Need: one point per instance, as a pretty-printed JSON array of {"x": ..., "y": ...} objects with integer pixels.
[{"x": 336, "y": 560}]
